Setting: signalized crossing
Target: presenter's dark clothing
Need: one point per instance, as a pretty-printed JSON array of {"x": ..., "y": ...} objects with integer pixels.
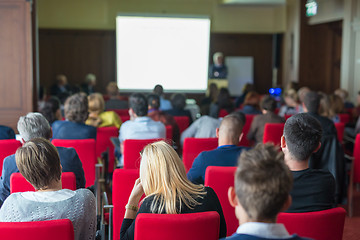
[
  {"x": 257, "y": 127},
  {"x": 218, "y": 71},
  {"x": 226, "y": 156},
  {"x": 313, "y": 190},
  {"x": 6, "y": 133},
  {"x": 70, "y": 162},
  {"x": 72, "y": 130},
  {"x": 209, "y": 202},
  {"x": 179, "y": 113}
]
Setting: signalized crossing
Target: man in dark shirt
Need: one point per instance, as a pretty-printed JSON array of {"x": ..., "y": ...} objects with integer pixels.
[{"x": 313, "y": 189}]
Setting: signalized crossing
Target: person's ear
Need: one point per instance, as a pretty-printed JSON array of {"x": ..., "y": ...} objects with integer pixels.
[
  {"x": 22, "y": 141},
  {"x": 217, "y": 132},
  {"x": 318, "y": 147},
  {"x": 287, "y": 204},
  {"x": 241, "y": 136},
  {"x": 282, "y": 142},
  {"x": 233, "y": 200}
]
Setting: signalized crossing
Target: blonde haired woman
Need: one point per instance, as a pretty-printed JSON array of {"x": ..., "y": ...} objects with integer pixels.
[{"x": 167, "y": 190}]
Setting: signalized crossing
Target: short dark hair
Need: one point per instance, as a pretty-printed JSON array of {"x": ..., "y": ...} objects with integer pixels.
[
  {"x": 49, "y": 109},
  {"x": 268, "y": 103},
  {"x": 302, "y": 134},
  {"x": 312, "y": 102},
  {"x": 154, "y": 101},
  {"x": 76, "y": 108},
  {"x": 158, "y": 89},
  {"x": 178, "y": 101},
  {"x": 138, "y": 103}
]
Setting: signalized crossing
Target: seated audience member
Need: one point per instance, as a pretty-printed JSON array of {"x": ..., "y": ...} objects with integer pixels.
[
  {"x": 208, "y": 100},
  {"x": 167, "y": 190},
  {"x": 330, "y": 106},
  {"x": 89, "y": 84},
  {"x": 292, "y": 105},
  {"x": 337, "y": 107},
  {"x": 356, "y": 110},
  {"x": 6, "y": 132},
  {"x": 229, "y": 135},
  {"x": 204, "y": 127},
  {"x": 313, "y": 189},
  {"x": 261, "y": 191},
  {"x": 178, "y": 102},
  {"x": 61, "y": 87},
  {"x": 248, "y": 87},
  {"x": 76, "y": 113},
  {"x": 97, "y": 116},
  {"x": 39, "y": 162},
  {"x": 115, "y": 101},
  {"x": 51, "y": 110},
  {"x": 301, "y": 93},
  {"x": 251, "y": 103},
  {"x": 34, "y": 125},
  {"x": 164, "y": 104},
  {"x": 268, "y": 106},
  {"x": 343, "y": 94},
  {"x": 223, "y": 102}
]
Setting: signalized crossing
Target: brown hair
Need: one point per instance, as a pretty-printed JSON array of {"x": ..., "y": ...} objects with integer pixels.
[
  {"x": 252, "y": 98},
  {"x": 337, "y": 104},
  {"x": 39, "y": 162},
  {"x": 76, "y": 108},
  {"x": 112, "y": 89},
  {"x": 262, "y": 182}
]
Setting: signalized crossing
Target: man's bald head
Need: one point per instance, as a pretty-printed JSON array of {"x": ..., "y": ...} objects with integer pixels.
[{"x": 231, "y": 128}]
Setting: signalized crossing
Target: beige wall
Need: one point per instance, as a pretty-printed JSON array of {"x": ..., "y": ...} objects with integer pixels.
[{"x": 100, "y": 14}]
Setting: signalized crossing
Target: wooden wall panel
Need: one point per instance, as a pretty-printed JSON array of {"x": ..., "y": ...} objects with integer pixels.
[{"x": 15, "y": 61}]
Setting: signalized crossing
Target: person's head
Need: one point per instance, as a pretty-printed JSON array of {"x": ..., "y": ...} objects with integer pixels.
[
  {"x": 342, "y": 93},
  {"x": 39, "y": 162},
  {"x": 51, "y": 109},
  {"x": 158, "y": 89},
  {"x": 213, "y": 90},
  {"x": 291, "y": 98},
  {"x": 252, "y": 98},
  {"x": 218, "y": 58},
  {"x": 268, "y": 103},
  {"x": 61, "y": 80},
  {"x": 325, "y": 108},
  {"x": 302, "y": 137},
  {"x": 163, "y": 175},
  {"x": 178, "y": 101},
  {"x": 230, "y": 129},
  {"x": 311, "y": 102},
  {"x": 90, "y": 79},
  {"x": 247, "y": 88},
  {"x": 262, "y": 185},
  {"x": 112, "y": 89},
  {"x": 154, "y": 101},
  {"x": 337, "y": 104},
  {"x": 33, "y": 125},
  {"x": 76, "y": 108},
  {"x": 96, "y": 103},
  {"x": 138, "y": 104},
  {"x": 302, "y": 92}
]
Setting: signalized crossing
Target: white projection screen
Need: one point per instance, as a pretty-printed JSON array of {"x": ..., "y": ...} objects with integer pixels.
[{"x": 172, "y": 51}]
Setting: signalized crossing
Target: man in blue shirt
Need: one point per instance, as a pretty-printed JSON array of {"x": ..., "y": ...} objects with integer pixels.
[
  {"x": 229, "y": 134},
  {"x": 35, "y": 125}
]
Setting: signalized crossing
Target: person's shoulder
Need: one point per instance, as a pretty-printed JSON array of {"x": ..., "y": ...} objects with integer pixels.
[
  {"x": 85, "y": 193},
  {"x": 58, "y": 123},
  {"x": 68, "y": 151},
  {"x": 10, "y": 158}
]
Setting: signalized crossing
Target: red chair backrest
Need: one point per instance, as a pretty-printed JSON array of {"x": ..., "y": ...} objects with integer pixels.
[
  {"x": 344, "y": 117},
  {"x": 61, "y": 229},
  {"x": 244, "y": 141},
  {"x": 321, "y": 225},
  {"x": 340, "y": 127},
  {"x": 223, "y": 113},
  {"x": 132, "y": 149},
  {"x": 124, "y": 118},
  {"x": 103, "y": 143},
  {"x": 7, "y": 147},
  {"x": 287, "y": 116},
  {"x": 19, "y": 184},
  {"x": 190, "y": 226},
  {"x": 357, "y": 159},
  {"x": 194, "y": 146},
  {"x": 220, "y": 179},
  {"x": 169, "y": 132},
  {"x": 273, "y": 133},
  {"x": 85, "y": 148},
  {"x": 123, "y": 182},
  {"x": 183, "y": 122},
  {"x": 121, "y": 112}
]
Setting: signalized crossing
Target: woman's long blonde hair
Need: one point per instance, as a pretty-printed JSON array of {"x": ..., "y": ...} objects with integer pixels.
[{"x": 163, "y": 176}]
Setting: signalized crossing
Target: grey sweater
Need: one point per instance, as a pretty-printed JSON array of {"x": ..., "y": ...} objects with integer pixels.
[{"x": 80, "y": 209}]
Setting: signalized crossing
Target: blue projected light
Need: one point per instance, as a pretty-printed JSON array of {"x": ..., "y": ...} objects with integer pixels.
[{"x": 275, "y": 92}]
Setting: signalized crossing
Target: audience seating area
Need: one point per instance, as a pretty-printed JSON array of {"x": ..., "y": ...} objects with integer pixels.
[{"x": 7, "y": 147}]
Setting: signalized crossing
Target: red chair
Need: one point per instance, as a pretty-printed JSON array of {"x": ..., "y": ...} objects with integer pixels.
[
  {"x": 220, "y": 179},
  {"x": 340, "y": 127},
  {"x": 244, "y": 141},
  {"x": 123, "y": 182},
  {"x": 85, "y": 148},
  {"x": 7, "y": 147},
  {"x": 344, "y": 117},
  {"x": 61, "y": 229},
  {"x": 194, "y": 146},
  {"x": 124, "y": 118},
  {"x": 321, "y": 225},
  {"x": 183, "y": 122},
  {"x": 273, "y": 133},
  {"x": 19, "y": 184},
  {"x": 121, "y": 112},
  {"x": 223, "y": 113},
  {"x": 169, "y": 132},
  {"x": 132, "y": 149},
  {"x": 190, "y": 226},
  {"x": 355, "y": 173},
  {"x": 287, "y": 116},
  {"x": 103, "y": 142}
]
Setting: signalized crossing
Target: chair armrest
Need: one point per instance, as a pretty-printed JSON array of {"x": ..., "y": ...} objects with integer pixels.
[{"x": 110, "y": 233}]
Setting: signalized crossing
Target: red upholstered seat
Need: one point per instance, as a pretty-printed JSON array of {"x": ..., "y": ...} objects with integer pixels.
[
  {"x": 183, "y": 122},
  {"x": 340, "y": 127},
  {"x": 132, "y": 149},
  {"x": 19, "y": 184},
  {"x": 244, "y": 141},
  {"x": 344, "y": 117},
  {"x": 169, "y": 132},
  {"x": 321, "y": 225},
  {"x": 85, "y": 148},
  {"x": 220, "y": 179},
  {"x": 191, "y": 226},
  {"x": 124, "y": 118},
  {"x": 121, "y": 112},
  {"x": 103, "y": 142},
  {"x": 61, "y": 229},
  {"x": 273, "y": 133},
  {"x": 123, "y": 182},
  {"x": 7, "y": 147},
  {"x": 194, "y": 146},
  {"x": 223, "y": 113}
]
